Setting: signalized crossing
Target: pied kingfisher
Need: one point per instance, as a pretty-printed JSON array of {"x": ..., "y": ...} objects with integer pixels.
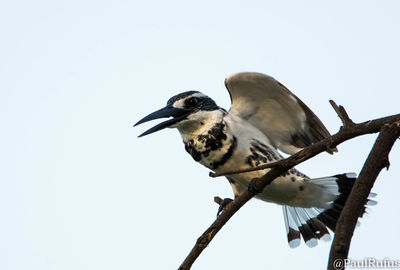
[{"x": 264, "y": 116}]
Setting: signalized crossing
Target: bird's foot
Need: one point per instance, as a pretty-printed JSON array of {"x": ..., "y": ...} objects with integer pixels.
[
  {"x": 253, "y": 188},
  {"x": 222, "y": 204}
]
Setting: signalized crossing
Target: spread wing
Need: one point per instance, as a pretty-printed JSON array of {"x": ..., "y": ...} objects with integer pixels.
[{"x": 273, "y": 109}]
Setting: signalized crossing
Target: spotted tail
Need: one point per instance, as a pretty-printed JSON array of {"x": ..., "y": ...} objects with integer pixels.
[{"x": 313, "y": 223}]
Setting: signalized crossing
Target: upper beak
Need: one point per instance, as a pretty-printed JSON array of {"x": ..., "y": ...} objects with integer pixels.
[{"x": 168, "y": 111}]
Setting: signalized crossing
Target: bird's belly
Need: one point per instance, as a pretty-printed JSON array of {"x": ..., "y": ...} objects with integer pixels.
[
  {"x": 290, "y": 189},
  {"x": 281, "y": 191}
]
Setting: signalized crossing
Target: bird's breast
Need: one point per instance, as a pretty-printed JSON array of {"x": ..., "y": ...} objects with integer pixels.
[{"x": 213, "y": 147}]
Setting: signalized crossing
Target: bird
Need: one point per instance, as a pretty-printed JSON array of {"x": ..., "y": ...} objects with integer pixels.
[{"x": 265, "y": 119}]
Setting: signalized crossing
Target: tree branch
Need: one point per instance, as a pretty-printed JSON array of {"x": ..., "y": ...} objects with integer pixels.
[
  {"x": 346, "y": 132},
  {"x": 341, "y": 112},
  {"x": 250, "y": 169},
  {"x": 376, "y": 161}
]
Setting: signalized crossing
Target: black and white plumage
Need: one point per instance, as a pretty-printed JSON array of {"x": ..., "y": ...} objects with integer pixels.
[
  {"x": 265, "y": 116},
  {"x": 261, "y": 100}
]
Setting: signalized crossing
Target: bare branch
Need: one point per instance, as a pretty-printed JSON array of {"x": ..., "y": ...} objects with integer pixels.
[
  {"x": 376, "y": 161},
  {"x": 262, "y": 167},
  {"x": 218, "y": 200},
  {"x": 203, "y": 241},
  {"x": 367, "y": 127},
  {"x": 341, "y": 112},
  {"x": 350, "y": 131}
]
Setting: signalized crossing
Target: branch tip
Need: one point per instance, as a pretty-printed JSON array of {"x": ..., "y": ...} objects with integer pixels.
[
  {"x": 387, "y": 165},
  {"x": 341, "y": 112},
  {"x": 218, "y": 200}
]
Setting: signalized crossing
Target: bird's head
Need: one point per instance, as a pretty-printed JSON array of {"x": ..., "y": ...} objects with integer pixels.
[{"x": 188, "y": 110}]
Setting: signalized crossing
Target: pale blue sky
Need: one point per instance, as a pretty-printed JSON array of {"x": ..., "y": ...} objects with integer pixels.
[{"x": 79, "y": 190}]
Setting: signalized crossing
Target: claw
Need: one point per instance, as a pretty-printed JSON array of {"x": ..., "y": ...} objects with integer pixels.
[{"x": 223, "y": 204}]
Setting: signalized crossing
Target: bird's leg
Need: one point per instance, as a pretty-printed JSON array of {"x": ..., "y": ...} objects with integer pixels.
[
  {"x": 253, "y": 188},
  {"x": 222, "y": 204}
]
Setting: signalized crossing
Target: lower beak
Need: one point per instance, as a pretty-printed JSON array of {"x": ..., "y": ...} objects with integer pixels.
[{"x": 168, "y": 111}]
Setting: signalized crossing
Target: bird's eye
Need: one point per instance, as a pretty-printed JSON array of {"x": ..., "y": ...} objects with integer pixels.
[{"x": 192, "y": 102}]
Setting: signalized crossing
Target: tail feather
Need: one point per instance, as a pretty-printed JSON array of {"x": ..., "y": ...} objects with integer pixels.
[
  {"x": 319, "y": 229},
  {"x": 316, "y": 226},
  {"x": 293, "y": 235},
  {"x": 305, "y": 230},
  {"x": 345, "y": 183},
  {"x": 302, "y": 221},
  {"x": 312, "y": 223}
]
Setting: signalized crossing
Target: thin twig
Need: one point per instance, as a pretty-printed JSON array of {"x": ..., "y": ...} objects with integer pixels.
[
  {"x": 218, "y": 200},
  {"x": 341, "y": 112},
  {"x": 261, "y": 167}
]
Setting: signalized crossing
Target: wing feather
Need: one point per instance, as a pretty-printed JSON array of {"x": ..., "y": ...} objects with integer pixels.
[{"x": 277, "y": 112}]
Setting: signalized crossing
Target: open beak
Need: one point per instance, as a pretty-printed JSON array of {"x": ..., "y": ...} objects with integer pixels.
[{"x": 168, "y": 111}]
